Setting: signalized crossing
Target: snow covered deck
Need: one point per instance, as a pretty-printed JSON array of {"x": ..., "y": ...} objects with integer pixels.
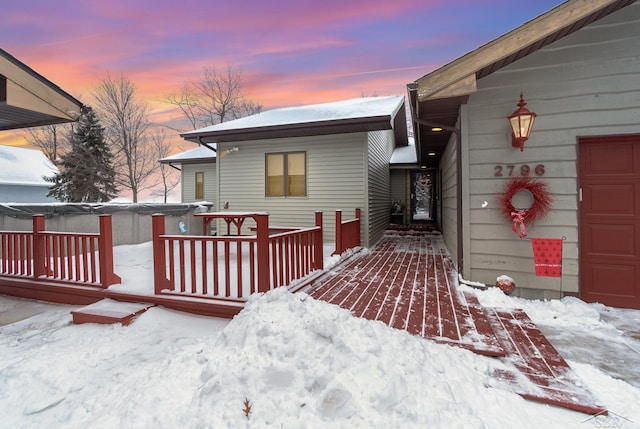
[{"x": 408, "y": 282}]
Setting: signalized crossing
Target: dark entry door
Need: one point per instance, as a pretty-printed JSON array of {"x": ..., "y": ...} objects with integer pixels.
[
  {"x": 610, "y": 220},
  {"x": 422, "y": 196}
]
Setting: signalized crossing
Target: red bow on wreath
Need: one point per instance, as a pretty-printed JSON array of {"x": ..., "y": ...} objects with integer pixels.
[{"x": 518, "y": 221}]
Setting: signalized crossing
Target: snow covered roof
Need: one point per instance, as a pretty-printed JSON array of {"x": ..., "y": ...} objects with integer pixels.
[
  {"x": 360, "y": 114},
  {"x": 404, "y": 155},
  {"x": 204, "y": 153},
  {"x": 21, "y": 166}
]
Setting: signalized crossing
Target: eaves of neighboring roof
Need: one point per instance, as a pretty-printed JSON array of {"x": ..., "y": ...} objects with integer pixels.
[
  {"x": 356, "y": 115},
  {"x": 28, "y": 99},
  {"x": 201, "y": 154}
]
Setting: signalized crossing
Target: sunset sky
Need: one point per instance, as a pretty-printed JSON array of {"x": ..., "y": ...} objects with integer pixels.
[{"x": 290, "y": 52}]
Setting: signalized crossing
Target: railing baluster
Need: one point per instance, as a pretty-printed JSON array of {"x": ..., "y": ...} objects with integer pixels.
[
  {"x": 204, "y": 265},
  {"x": 192, "y": 256},
  {"x": 227, "y": 270},
  {"x": 92, "y": 255},
  {"x": 252, "y": 268},
  {"x": 239, "y": 267},
  {"x": 172, "y": 275},
  {"x": 216, "y": 276}
]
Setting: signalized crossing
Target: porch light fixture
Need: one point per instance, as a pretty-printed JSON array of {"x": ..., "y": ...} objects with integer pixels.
[{"x": 521, "y": 122}]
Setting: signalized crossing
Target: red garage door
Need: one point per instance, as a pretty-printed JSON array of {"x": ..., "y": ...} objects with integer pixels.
[{"x": 610, "y": 220}]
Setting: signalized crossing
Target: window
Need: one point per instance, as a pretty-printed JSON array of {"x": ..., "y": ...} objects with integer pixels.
[
  {"x": 199, "y": 185},
  {"x": 286, "y": 174}
]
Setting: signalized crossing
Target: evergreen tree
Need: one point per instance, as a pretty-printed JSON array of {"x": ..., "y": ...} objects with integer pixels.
[{"x": 87, "y": 175}]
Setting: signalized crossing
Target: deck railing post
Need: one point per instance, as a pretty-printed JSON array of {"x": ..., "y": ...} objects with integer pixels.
[
  {"x": 160, "y": 280},
  {"x": 39, "y": 256},
  {"x": 262, "y": 250},
  {"x": 105, "y": 253},
  {"x": 358, "y": 223},
  {"x": 318, "y": 247},
  {"x": 339, "y": 248}
]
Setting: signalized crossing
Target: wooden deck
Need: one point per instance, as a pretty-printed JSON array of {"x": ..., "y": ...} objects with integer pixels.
[{"x": 408, "y": 282}]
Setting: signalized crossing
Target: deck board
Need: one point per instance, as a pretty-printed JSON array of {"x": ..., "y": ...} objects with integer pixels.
[{"x": 407, "y": 281}]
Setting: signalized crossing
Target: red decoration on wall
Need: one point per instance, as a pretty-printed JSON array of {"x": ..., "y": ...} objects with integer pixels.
[
  {"x": 547, "y": 256},
  {"x": 540, "y": 208}
]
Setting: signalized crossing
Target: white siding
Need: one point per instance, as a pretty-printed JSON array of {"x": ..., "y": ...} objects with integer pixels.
[
  {"x": 379, "y": 183},
  {"x": 336, "y": 167},
  {"x": 188, "y": 182},
  {"x": 583, "y": 85}
]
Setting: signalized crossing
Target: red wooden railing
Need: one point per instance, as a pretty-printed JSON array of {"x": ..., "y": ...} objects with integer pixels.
[
  {"x": 347, "y": 233},
  {"x": 233, "y": 267},
  {"x": 74, "y": 258}
]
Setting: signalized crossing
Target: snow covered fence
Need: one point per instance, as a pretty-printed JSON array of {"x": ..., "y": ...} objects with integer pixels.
[{"x": 234, "y": 266}]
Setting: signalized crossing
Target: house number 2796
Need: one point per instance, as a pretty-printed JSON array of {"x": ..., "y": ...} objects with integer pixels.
[{"x": 522, "y": 170}]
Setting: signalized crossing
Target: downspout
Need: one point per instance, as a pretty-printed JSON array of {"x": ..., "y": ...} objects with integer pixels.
[
  {"x": 455, "y": 130},
  {"x": 201, "y": 143}
]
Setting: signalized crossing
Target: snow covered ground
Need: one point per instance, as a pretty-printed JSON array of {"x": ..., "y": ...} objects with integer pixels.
[{"x": 297, "y": 363}]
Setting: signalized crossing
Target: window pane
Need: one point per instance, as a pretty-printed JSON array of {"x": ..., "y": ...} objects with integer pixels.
[
  {"x": 275, "y": 175},
  {"x": 199, "y": 185},
  {"x": 296, "y": 168}
]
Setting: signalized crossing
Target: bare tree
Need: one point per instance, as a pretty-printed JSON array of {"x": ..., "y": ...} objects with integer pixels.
[
  {"x": 215, "y": 98},
  {"x": 126, "y": 121},
  {"x": 52, "y": 140},
  {"x": 167, "y": 173},
  {"x": 187, "y": 102}
]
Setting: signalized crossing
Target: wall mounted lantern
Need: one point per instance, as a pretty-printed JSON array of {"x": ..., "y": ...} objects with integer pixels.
[{"x": 521, "y": 122}]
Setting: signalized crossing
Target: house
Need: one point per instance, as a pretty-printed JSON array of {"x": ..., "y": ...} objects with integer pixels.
[
  {"x": 291, "y": 162},
  {"x": 198, "y": 174},
  {"x": 22, "y": 173},
  {"x": 28, "y": 99},
  {"x": 578, "y": 69}
]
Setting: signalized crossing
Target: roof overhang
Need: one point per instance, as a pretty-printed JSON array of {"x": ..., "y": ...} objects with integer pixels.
[
  {"x": 436, "y": 97},
  {"x": 27, "y": 99},
  {"x": 304, "y": 129}
]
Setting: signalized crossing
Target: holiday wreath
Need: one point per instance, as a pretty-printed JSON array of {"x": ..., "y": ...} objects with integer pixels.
[{"x": 540, "y": 208}]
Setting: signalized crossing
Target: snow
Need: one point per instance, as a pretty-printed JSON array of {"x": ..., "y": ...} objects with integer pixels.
[
  {"x": 404, "y": 155},
  {"x": 205, "y": 153},
  {"x": 300, "y": 363},
  {"x": 12, "y": 166},
  {"x": 363, "y": 107}
]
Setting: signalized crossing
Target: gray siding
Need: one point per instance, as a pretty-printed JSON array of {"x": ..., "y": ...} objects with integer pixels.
[
  {"x": 10, "y": 193},
  {"x": 188, "y": 182},
  {"x": 379, "y": 183},
  {"x": 448, "y": 199},
  {"x": 583, "y": 85},
  {"x": 400, "y": 189},
  {"x": 336, "y": 170}
]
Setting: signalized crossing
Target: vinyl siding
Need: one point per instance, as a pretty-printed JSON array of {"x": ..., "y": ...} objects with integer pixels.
[
  {"x": 188, "y": 182},
  {"x": 379, "y": 183},
  {"x": 448, "y": 200},
  {"x": 583, "y": 85},
  {"x": 335, "y": 179},
  {"x": 400, "y": 189},
  {"x": 22, "y": 193}
]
